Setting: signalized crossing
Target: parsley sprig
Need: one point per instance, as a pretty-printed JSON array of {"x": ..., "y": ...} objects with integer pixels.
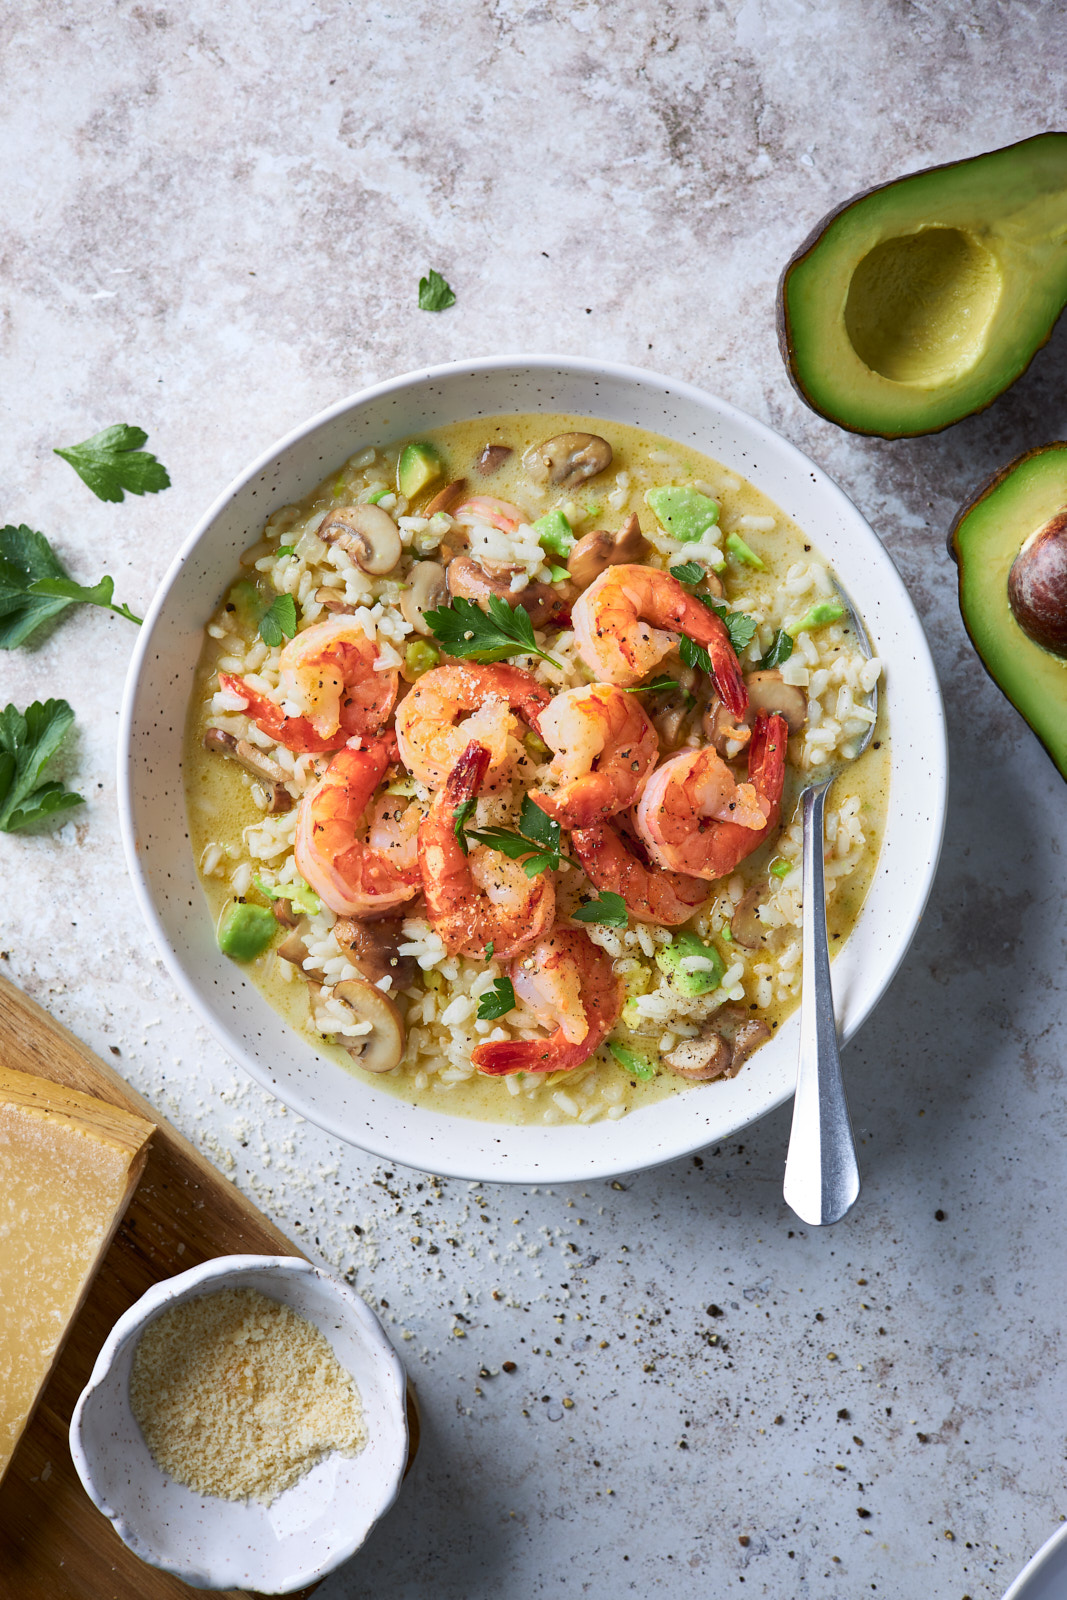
[
  {"x": 537, "y": 839},
  {"x": 462, "y": 628},
  {"x": 739, "y": 625},
  {"x": 35, "y": 586},
  {"x": 497, "y": 1001},
  {"x": 609, "y": 911},
  {"x": 434, "y": 293},
  {"x": 278, "y": 622},
  {"x": 112, "y": 462},
  {"x": 28, "y": 741}
]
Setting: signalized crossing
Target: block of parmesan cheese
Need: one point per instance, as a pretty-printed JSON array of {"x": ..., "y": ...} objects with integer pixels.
[{"x": 69, "y": 1164}]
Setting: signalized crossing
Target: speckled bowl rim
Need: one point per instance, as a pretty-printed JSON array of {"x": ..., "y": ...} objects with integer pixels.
[
  {"x": 431, "y": 1140},
  {"x": 229, "y": 1272},
  {"x": 1044, "y": 1570}
]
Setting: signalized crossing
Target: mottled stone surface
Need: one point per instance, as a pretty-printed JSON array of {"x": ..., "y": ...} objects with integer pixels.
[{"x": 214, "y": 222}]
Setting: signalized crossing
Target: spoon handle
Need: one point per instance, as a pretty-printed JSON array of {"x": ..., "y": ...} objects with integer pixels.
[{"x": 822, "y": 1178}]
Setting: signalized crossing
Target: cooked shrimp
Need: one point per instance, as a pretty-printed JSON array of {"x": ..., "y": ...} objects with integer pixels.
[
  {"x": 433, "y": 728},
  {"x": 482, "y": 898},
  {"x": 354, "y": 879},
  {"x": 328, "y": 687},
  {"x": 604, "y": 747},
  {"x": 493, "y": 513},
  {"x": 630, "y": 617},
  {"x": 694, "y": 816},
  {"x": 611, "y": 861},
  {"x": 569, "y": 985}
]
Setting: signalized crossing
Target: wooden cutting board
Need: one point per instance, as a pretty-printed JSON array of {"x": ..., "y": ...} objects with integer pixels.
[{"x": 54, "y": 1543}]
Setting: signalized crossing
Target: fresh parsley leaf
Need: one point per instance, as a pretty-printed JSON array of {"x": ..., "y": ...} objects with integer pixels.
[
  {"x": 490, "y": 947},
  {"x": 739, "y": 625},
  {"x": 694, "y": 655},
  {"x": 25, "y": 558},
  {"x": 278, "y": 622},
  {"x": 781, "y": 649},
  {"x": 35, "y": 586},
  {"x": 537, "y": 825},
  {"x": 112, "y": 461},
  {"x": 462, "y": 628},
  {"x": 100, "y": 594},
  {"x": 498, "y": 1001},
  {"x": 538, "y": 829},
  {"x": 28, "y": 741},
  {"x": 609, "y": 910},
  {"x": 285, "y": 550},
  {"x": 657, "y": 686},
  {"x": 688, "y": 572},
  {"x": 458, "y": 825},
  {"x": 633, "y": 1061},
  {"x": 434, "y": 293}
]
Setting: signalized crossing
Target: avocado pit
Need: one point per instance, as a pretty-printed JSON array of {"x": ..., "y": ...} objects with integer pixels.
[{"x": 1037, "y": 585}]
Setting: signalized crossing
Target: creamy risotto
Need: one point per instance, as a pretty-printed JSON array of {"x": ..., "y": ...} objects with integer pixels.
[{"x": 492, "y": 762}]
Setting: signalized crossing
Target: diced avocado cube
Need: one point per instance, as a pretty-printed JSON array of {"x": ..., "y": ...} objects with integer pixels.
[
  {"x": 683, "y": 513},
  {"x": 741, "y": 552},
  {"x": 633, "y": 1061},
  {"x": 673, "y": 959},
  {"x": 554, "y": 534},
  {"x": 419, "y": 465},
  {"x": 420, "y": 656},
  {"x": 249, "y": 604},
  {"x": 822, "y": 612},
  {"x": 245, "y": 931}
]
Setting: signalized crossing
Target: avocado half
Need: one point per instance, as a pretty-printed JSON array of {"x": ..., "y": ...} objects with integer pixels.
[
  {"x": 917, "y": 303},
  {"x": 985, "y": 540}
]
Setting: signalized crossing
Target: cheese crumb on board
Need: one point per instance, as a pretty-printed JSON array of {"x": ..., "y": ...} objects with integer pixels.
[
  {"x": 69, "y": 1164},
  {"x": 239, "y": 1396}
]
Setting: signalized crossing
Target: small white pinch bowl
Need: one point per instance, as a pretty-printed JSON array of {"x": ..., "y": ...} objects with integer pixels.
[
  {"x": 156, "y": 835},
  {"x": 227, "y": 1544}
]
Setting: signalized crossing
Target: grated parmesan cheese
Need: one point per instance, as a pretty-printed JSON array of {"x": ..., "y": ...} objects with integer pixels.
[{"x": 239, "y": 1396}]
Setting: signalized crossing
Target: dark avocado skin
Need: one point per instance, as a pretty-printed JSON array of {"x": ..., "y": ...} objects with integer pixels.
[
  {"x": 984, "y": 541},
  {"x": 812, "y": 243}
]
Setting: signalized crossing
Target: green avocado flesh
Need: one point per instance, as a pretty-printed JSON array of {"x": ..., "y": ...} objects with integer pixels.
[
  {"x": 985, "y": 540},
  {"x": 917, "y": 303}
]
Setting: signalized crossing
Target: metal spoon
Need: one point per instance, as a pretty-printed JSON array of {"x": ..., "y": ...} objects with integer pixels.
[{"x": 822, "y": 1180}]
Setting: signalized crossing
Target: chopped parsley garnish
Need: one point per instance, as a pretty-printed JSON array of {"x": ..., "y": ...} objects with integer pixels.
[
  {"x": 657, "y": 686},
  {"x": 537, "y": 839},
  {"x": 688, "y": 572},
  {"x": 633, "y": 1061},
  {"x": 497, "y": 1001},
  {"x": 458, "y": 825},
  {"x": 694, "y": 655},
  {"x": 35, "y": 586},
  {"x": 112, "y": 462},
  {"x": 434, "y": 293},
  {"x": 739, "y": 625},
  {"x": 490, "y": 947},
  {"x": 28, "y": 741},
  {"x": 781, "y": 649},
  {"x": 278, "y": 622},
  {"x": 464, "y": 629},
  {"x": 285, "y": 550},
  {"x": 610, "y": 911}
]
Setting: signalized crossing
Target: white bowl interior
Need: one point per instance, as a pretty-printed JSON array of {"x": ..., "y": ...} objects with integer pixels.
[
  {"x": 222, "y": 1544},
  {"x": 150, "y": 768}
]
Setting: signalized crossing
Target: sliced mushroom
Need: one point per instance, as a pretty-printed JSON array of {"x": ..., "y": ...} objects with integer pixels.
[
  {"x": 426, "y": 591},
  {"x": 669, "y": 722},
  {"x": 293, "y": 947},
  {"x": 749, "y": 1036},
  {"x": 381, "y": 1048},
  {"x": 446, "y": 498},
  {"x": 284, "y": 914},
  {"x": 470, "y": 580},
  {"x": 721, "y": 729},
  {"x": 372, "y": 947},
  {"x": 767, "y": 692},
  {"x": 595, "y": 552},
  {"x": 332, "y": 599},
  {"x": 745, "y": 924},
  {"x": 269, "y": 792},
  {"x": 492, "y": 458},
  {"x": 698, "y": 1060},
  {"x": 567, "y": 459},
  {"x": 366, "y": 533}
]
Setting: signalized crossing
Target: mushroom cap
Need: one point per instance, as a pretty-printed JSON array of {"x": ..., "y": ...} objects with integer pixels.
[
  {"x": 596, "y": 551},
  {"x": 367, "y": 533},
  {"x": 698, "y": 1060},
  {"x": 567, "y": 459},
  {"x": 426, "y": 590},
  {"x": 767, "y": 692},
  {"x": 381, "y": 1049}
]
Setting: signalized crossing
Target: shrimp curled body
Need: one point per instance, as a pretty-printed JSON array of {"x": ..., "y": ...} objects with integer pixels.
[
  {"x": 630, "y": 618},
  {"x": 482, "y": 898},
  {"x": 354, "y": 879},
  {"x": 435, "y": 724},
  {"x": 693, "y": 815},
  {"x": 611, "y": 862},
  {"x": 329, "y": 690},
  {"x": 567, "y": 982},
  {"x": 604, "y": 745}
]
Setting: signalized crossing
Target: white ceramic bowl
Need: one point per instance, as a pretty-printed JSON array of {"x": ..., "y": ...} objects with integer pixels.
[
  {"x": 222, "y": 1544},
  {"x": 150, "y": 768},
  {"x": 1044, "y": 1576}
]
